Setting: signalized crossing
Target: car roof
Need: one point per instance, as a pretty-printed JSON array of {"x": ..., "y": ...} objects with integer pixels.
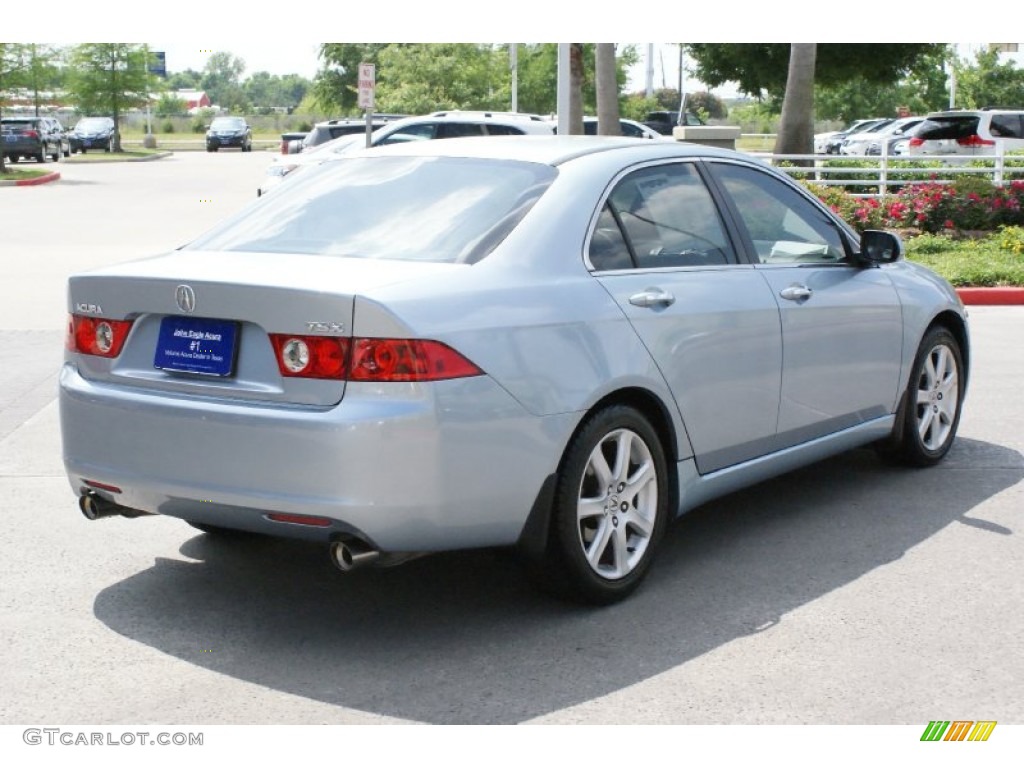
[{"x": 550, "y": 150}]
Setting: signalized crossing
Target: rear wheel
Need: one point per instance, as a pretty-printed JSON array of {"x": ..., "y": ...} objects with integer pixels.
[
  {"x": 927, "y": 426},
  {"x": 610, "y": 509}
]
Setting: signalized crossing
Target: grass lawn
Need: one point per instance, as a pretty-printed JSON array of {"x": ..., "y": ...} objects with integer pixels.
[
  {"x": 19, "y": 173},
  {"x": 101, "y": 156},
  {"x": 997, "y": 260}
]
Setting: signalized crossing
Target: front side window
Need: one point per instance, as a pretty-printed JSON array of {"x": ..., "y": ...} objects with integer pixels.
[
  {"x": 783, "y": 225},
  {"x": 665, "y": 217}
]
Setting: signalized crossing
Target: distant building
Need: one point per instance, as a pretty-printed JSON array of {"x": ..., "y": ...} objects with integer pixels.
[{"x": 193, "y": 99}]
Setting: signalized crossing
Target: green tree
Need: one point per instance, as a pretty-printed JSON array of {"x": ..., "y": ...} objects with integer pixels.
[
  {"x": 761, "y": 69},
  {"x": 707, "y": 105},
  {"x": 335, "y": 87},
  {"x": 222, "y": 81},
  {"x": 170, "y": 105},
  {"x": 538, "y": 76},
  {"x": 109, "y": 78},
  {"x": 921, "y": 90},
  {"x": 12, "y": 77},
  {"x": 189, "y": 80},
  {"x": 988, "y": 82},
  {"x": 43, "y": 72},
  {"x": 424, "y": 77}
]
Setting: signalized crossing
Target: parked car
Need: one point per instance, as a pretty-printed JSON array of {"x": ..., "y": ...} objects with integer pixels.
[
  {"x": 333, "y": 129},
  {"x": 857, "y": 143},
  {"x": 36, "y": 137},
  {"x": 93, "y": 133},
  {"x": 664, "y": 122},
  {"x": 627, "y": 127},
  {"x": 829, "y": 143},
  {"x": 438, "y": 125},
  {"x": 969, "y": 132},
  {"x": 556, "y": 344},
  {"x": 225, "y": 132}
]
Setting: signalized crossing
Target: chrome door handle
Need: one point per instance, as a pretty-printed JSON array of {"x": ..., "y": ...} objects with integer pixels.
[
  {"x": 652, "y": 297},
  {"x": 796, "y": 293}
]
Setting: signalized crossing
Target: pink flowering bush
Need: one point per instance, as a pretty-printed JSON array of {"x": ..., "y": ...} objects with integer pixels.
[{"x": 970, "y": 203}]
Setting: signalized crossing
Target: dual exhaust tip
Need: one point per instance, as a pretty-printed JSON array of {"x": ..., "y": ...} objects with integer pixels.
[{"x": 346, "y": 555}]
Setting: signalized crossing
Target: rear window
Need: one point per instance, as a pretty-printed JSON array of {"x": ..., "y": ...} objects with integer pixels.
[
  {"x": 948, "y": 127},
  {"x": 414, "y": 208}
]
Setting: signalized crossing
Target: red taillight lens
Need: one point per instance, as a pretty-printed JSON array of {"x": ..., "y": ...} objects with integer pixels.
[
  {"x": 974, "y": 140},
  {"x": 310, "y": 357},
  {"x": 32, "y": 134},
  {"x": 328, "y": 357},
  {"x": 407, "y": 360},
  {"x": 96, "y": 335},
  {"x": 916, "y": 142}
]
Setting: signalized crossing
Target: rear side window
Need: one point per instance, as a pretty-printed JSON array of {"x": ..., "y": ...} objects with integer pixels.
[
  {"x": 660, "y": 216},
  {"x": 1007, "y": 126},
  {"x": 503, "y": 130},
  {"x": 413, "y": 208},
  {"x": 948, "y": 127},
  {"x": 459, "y": 130}
]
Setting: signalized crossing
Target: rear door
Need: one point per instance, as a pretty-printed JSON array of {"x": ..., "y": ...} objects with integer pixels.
[{"x": 709, "y": 322}]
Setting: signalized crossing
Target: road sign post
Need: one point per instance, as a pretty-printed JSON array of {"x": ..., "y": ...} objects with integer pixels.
[{"x": 367, "y": 91}]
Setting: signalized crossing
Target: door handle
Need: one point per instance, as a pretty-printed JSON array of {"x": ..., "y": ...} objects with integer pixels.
[
  {"x": 652, "y": 297},
  {"x": 796, "y": 293}
]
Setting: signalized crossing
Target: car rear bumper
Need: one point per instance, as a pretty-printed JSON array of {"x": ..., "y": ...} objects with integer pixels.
[{"x": 407, "y": 467}]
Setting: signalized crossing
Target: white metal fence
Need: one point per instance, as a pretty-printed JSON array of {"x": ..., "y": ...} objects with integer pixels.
[{"x": 880, "y": 175}]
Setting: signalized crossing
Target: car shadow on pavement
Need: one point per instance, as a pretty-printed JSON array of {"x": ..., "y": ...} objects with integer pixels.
[{"x": 463, "y": 638}]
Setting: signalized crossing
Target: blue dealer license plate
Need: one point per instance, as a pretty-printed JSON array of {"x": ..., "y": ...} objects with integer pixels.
[{"x": 196, "y": 345}]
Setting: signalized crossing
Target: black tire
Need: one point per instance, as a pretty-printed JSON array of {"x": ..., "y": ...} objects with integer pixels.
[
  {"x": 926, "y": 423},
  {"x": 82, "y": 150},
  {"x": 601, "y": 557}
]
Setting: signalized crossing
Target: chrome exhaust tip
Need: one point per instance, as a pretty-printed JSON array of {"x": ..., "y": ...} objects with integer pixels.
[
  {"x": 96, "y": 507},
  {"x": 351, "y": 554}
]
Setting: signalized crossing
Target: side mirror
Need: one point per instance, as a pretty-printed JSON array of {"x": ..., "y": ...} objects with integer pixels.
[{"x": 877, "y": 247}]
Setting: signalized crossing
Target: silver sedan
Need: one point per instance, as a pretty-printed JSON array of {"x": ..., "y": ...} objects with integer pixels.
[{"x": 555, "y": 344}]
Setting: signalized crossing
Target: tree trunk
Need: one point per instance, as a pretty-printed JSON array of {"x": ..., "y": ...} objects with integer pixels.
[
  {"x": 796, "y": 130},
  {"x": 576, "y": 89},
  {"x": 607, "y": 90}
]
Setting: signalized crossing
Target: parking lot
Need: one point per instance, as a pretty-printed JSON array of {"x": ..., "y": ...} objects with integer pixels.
[{"x": 848, "y": 592}]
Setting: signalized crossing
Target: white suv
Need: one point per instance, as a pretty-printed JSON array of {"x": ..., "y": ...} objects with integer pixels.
[
  {"x": 968, "y": 132},
  {"x": 438, "y": 125}
]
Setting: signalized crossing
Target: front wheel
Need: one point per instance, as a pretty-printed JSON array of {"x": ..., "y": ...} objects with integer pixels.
[
  {"x": 611, "y": 506},
  {"x": 934, "y": 399}
]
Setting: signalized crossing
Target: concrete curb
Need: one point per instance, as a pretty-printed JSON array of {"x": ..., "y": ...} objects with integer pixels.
[
  {"x": 85, "y": 160},
  {"x": 999, "y": 296},
  {"x": 31, "y": 182}
]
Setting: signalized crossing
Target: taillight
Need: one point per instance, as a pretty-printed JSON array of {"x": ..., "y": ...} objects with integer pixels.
[
  {"x": 32, "y": 134},
  {"x": 96, "y": 335},
  {"x": 284, "y": 146},
  {"x": 376, "y": 360},
  {"x": 310, "y": 357},
  {"x": 916, "y": 142},
  {"x": 407, "y": 360},
  {"x": 974, "y": 140}
]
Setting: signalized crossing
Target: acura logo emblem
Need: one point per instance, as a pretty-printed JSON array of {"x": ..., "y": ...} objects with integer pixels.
[{"x": 185, "y": 297}]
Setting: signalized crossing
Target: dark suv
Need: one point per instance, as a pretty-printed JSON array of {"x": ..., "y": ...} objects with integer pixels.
[
  {"x": 229, "y": 132},
  {"x": 35, "y": 137},
  {"x": 93, "y": 133}
]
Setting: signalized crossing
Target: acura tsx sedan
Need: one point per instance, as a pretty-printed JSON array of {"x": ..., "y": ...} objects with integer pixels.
[{"x": 557, "y": 344}]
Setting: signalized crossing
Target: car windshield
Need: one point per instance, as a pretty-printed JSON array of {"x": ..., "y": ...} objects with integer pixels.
[
  {"x": 416, "y": 208},
  {"x": 93, "y": 124},
  {"x": 227, "y": 124}
]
